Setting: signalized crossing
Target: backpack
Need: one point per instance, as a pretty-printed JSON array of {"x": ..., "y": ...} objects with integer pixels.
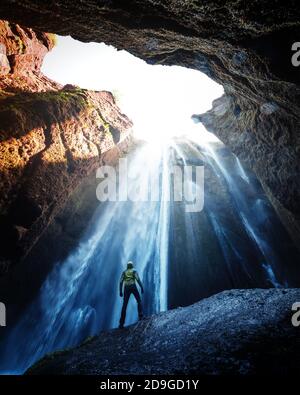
[{"x": 129, "y": 277}]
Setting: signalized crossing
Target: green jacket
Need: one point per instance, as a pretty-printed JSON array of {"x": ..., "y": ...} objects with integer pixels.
[{"x": 129, "y": 277}]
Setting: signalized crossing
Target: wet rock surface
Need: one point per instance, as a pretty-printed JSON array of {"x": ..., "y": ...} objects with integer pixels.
[{"x": 234, "y": 332}]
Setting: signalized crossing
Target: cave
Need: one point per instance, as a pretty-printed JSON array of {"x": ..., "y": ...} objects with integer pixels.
[{"x": 166, "y": 86}]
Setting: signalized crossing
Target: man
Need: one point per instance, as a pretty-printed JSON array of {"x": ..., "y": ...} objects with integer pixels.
[{"x": 129, "y": 277}]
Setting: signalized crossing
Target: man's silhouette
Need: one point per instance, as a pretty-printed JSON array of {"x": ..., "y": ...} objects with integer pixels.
[{"x": 129, "y": 277}]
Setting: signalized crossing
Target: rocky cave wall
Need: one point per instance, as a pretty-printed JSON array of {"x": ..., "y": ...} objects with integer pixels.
[
  {"x": 245, "y": 46},
  {"x": 51, "y": 139}
]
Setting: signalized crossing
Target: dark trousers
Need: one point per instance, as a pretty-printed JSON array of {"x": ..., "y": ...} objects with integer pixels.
[{"x": 128, "y": 290}]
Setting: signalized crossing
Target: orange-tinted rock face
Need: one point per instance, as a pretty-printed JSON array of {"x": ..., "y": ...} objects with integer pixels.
[
  {"x": 22, "y": 51},
  {"x": 51, "y": 138},
  {"x": 24, "y": 48}
]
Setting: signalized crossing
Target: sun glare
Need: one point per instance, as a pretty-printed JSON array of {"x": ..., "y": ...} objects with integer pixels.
[{"x": 159, "y": 99}]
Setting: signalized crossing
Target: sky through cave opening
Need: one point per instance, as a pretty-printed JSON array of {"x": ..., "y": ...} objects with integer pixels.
[{"x": 159, "y": 99}]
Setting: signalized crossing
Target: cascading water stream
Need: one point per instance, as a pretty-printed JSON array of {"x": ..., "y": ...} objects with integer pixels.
[
  {"x": 80, "y": 296},
  {"x": 181, "y": 256},
  {"x": 252, "y": 212}
]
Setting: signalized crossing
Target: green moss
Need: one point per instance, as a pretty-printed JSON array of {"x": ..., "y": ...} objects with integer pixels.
[
  {"x": 20, "y": 45},
  {"x": 53, "y": 38},
  {"x": 106, "y": 127},
  {"x": 59, "y": 97}
]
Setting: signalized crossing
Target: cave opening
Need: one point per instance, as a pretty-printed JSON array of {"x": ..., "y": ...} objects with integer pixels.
[
  {"x": 230, "y": 257},
  {"x": 235, "y": 241},
  {"x": 159, "y": 99}
]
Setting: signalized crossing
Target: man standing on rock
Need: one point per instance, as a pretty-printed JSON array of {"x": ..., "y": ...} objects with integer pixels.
[{"x": 129, "y": 277}]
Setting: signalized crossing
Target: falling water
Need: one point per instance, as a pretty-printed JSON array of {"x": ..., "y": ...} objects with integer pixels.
[
  {"x": 80, "y": 296},
  {"x": 180, "y": 256}
]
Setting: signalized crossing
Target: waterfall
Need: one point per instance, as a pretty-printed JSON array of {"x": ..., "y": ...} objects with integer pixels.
[
  {"x": 180, "y": 256},
  {"x": 80, "y": 296}
]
